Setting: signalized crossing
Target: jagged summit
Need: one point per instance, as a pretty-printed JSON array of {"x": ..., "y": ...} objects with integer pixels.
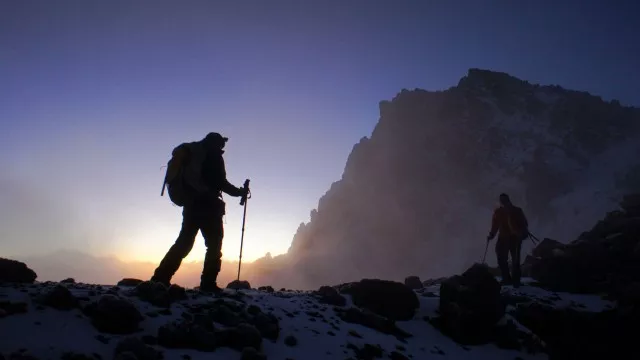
[{"x": 417, "y": 195}]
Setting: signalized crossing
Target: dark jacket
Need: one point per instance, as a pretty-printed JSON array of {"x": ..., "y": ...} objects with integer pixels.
[{"x": 215, "y": 174}]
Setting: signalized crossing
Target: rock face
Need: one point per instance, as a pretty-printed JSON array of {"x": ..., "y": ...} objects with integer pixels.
[
  {"x": 470, "y": 306},
  {"x": 12, "y": 271},
  {"x": 604, "y": 259},
  {"x": 416, "y": 194}
]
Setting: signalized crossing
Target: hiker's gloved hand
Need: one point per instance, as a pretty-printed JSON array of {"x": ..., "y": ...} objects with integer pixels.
[{"x": 490, "y": 237}]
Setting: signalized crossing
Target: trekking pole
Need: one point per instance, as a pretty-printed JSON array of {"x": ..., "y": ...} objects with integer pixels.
[
  {"x": 243, "y": 202},
  {"x": 485, "y": 253}
]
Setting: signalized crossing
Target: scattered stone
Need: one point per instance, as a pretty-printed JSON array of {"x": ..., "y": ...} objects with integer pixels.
[
  {"x": 413, "y": 282},
  {"x": 250, "y": 353},
  {"x": 188, "y": 335},
  {"x": 138, "y": 348},
  {"x": 267, "y": 288},
  {"x": 127, "y": 355},
  {"x": 241, "y": 336},
  {"x": 68, "y": 281},
  {"x": 394, "y": 355},
  {"x": 75, "y": 356},
  {"x": 290, "y": 340},
  {"x": 373, "y": 321},
  {"x": 13, "y": 271}
]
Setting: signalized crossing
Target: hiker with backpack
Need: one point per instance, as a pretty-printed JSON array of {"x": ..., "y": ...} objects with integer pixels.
[
  {"x": 195, "y": 179},
  {"x": 511, "y": 223}
]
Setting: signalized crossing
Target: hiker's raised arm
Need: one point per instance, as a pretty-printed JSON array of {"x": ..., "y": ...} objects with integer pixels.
[{"x": 230, "y": 189}]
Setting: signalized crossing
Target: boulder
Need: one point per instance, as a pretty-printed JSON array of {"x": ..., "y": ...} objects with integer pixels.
[
  {"x": 239, "y": 285},
  {"x": 59, "y": 298},
  {"x": 114, "y": 315},
  {"x": 390, "y": 299},
  {"x": 330, "y": 295},
  {"x": 12, "y": 271},
  {"x": 413, "y": 282},
  {"x": 470, "y": 306},
  {"x": 130, "y": 282}
]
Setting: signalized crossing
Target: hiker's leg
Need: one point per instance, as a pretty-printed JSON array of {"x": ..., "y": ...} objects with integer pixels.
[
  {"x": 179, "y": 250},
  {"x": 212, "y": 232},
  {"x": 502, "y": 253},
  {"x": 515, "y": 247}
]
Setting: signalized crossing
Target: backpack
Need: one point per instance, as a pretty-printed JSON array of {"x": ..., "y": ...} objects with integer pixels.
[
  {"x": 518, "y": 223},
  {"x": 174, "y": 178}
]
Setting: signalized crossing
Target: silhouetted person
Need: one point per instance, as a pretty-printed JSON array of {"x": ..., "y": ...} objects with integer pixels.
[
  {"x": 511, "y": 224},
  {"x": 202, "y": 212}
]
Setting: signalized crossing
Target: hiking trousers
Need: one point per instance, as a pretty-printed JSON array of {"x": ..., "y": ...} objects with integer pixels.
[
  {"x": 209, "y": 223},
  {"x": 504, "y": 247}
]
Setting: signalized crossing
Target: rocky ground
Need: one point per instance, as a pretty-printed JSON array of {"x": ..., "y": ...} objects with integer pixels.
[{"x": 580, "y": 300}]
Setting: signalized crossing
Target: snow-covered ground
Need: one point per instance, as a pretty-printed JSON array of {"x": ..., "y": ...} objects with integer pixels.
[{"x": 47, "y": 333}]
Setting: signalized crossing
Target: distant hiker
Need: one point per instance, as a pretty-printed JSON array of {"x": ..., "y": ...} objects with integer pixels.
[
  {"x": 511, "y": 223},
  {"x": 195, "y": 177}
]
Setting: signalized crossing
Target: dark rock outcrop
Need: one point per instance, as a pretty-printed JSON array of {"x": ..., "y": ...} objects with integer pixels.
[
  {"x": 601, "y": 260},
  {"x": 390, "y": 299},
  {"x": 413, "y": 282},
  {"x": 470, "y": 306},
  {"x": 13, "y": 271},
  {"x": 574, "y": 334}
]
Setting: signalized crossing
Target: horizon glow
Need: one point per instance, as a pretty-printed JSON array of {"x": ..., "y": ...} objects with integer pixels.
[{"x": 94, "y": 96}]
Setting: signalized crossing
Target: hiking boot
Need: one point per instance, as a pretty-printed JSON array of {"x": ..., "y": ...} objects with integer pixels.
[
  {"x": 505, "y": 283},
  {"x": 161, "y": 281},
  {"x": 211, "y": 289}
]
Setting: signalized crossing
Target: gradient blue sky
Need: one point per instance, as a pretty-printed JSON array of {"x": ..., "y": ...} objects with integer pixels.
[{"x": 94, "y": 96}]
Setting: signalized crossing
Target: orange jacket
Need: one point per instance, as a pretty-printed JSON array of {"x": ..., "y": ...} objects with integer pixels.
[{"x": 509, "y": 222}]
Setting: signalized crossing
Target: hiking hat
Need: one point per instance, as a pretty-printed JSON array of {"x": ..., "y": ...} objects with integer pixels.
[{"x": 215, "y": 138}]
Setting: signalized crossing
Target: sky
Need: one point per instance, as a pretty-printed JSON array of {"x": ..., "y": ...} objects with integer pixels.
[{"x": 95, "y": 95}]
